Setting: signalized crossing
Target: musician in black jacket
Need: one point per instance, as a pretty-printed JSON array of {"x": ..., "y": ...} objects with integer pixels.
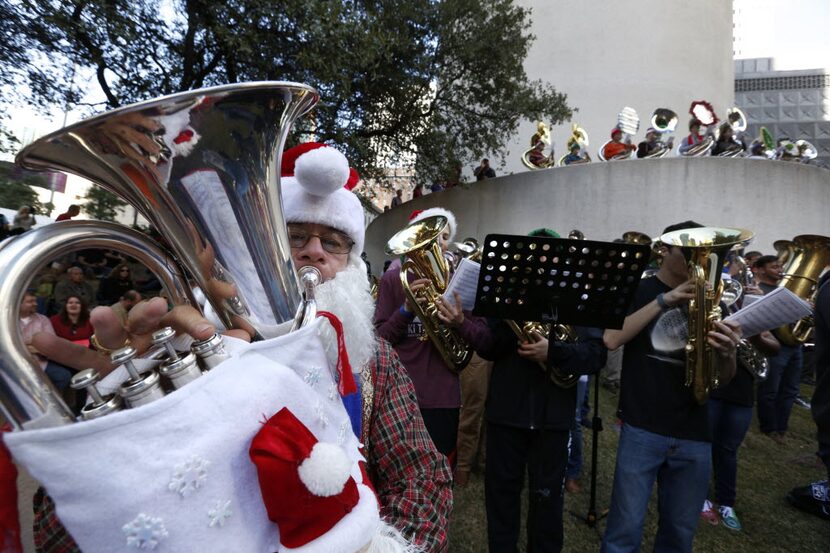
[{"x": 528, "y": 423}]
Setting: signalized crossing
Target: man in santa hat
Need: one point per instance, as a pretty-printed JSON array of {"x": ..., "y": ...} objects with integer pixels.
[{"x": 326, "y": 230}]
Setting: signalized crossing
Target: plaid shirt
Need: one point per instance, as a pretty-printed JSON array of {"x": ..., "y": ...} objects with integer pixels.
[{"x": 412, "y": 480}]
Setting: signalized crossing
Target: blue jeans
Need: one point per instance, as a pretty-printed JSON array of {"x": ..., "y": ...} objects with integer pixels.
[
  {"x": 681, "y": 469},
  {"x": 574, "y": 469},
  {"x": 59, "y": 375},
  {"x": 778, "y": 392},
  {"x": 729, "y": 423}
]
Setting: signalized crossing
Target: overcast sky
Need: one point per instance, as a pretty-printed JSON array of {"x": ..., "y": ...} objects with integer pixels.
[{"x": 796, "y": 32}]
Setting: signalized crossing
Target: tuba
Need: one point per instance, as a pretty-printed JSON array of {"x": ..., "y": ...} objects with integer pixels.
[
  {"x": 629, "y": 123},
  {"x": 579, "y": 136},
  {"x": 419, "y": 242},
  {"x": 203, "y": 167},
  {"x": 542, "y": 135},
  {"x": 664, "y": 121},
  {"x": 705, "y": 250},
  {"x": 810, "y": 255},
  {"x": 705, "y": 113},
  {"x": 561, "y": 333}
]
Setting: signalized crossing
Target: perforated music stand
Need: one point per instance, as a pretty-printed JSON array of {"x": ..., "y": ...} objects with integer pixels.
[
  {"x": 555, "y": 280},
  {"x": 579, "y": 282}
]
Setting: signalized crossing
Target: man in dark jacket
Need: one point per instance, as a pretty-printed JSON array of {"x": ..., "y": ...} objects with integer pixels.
[
  {"x": 528, "y": 423},
  {"x": 815, "y": 498}
]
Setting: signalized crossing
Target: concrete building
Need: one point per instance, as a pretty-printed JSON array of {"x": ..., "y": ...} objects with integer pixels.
[
  {"x": 604, "y": 56},
  {"x": 795, "y": 104},
  {"x": 604, "y": 200}
]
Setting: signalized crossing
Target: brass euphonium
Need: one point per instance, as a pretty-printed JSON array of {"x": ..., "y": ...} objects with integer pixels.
[
  {"x": 419, "y": 242},
  {"x": 561, "y": 333},
  {"x": 809, "y": 256},
  {"x": 705, "y": 250}
]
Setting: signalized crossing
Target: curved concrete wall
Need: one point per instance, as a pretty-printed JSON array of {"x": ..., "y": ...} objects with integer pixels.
[
  {"x": 645, "y": 54},
  {"x": 774, "y": 199}
]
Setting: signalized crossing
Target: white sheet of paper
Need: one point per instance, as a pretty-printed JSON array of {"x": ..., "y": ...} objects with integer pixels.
[
  {"x": 779, "y": 307},
  {"x": 465, "y": 282}
]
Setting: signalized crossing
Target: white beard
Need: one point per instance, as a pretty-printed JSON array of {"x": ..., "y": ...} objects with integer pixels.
[{"x": 347, "y": 296}]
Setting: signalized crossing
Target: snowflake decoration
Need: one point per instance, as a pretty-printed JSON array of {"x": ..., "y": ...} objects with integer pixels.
[
  {"x": 189, "y": 476},
  {"x": 333, "y": 393},
  {"x": 312, "y": 376},
  {"x": 320, "y": 412},
  {"x": 220, "y": 512},
  {"x": 341, "y": 433},
  {"x": 144, "y": 532}
]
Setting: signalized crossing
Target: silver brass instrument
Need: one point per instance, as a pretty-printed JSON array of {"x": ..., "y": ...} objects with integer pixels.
[
  {"x": 629, "y": 123},
  {"x": 664, "y": 121},
  {"x": 705, "y": 113},
  {"x": 810, "y": 255},
  {"x": 27, "y": 397},
  {"x": 469, "y": 248},
  {"x": 419, "y": 242},
  {"x": 746, "y": 353},
  {"x": 526, "y": 331},
  {"x": 705, "y": 250},
  {"x": 203, "y": 167},
  {"x": 806, "y": 150}
]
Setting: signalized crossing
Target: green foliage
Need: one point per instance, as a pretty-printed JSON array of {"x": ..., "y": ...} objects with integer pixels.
[
  {"x": 101, "y": 204},
  {"x": 437, "y": 83},
  {"x": 15, "y": 193}
]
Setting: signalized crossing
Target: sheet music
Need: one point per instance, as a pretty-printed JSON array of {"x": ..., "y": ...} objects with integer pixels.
[
  {"x": 779, "y": 307},
  {"x": 465, "y": 282}
]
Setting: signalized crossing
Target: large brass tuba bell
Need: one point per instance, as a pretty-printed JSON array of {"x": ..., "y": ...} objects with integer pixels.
[
  {"x": 705, "y": 250},
  {"x": 203, "y": 167},
  {"x": 419, "y": 242},
  {"x": 809, "y": 255}
]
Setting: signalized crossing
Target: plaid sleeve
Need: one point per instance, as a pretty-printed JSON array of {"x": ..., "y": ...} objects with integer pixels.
[
  {"x": 49, "y": 534},
  {"x": 412, "y": 479}
]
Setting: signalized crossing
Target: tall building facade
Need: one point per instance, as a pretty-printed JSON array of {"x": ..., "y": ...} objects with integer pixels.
[
  {"x": 792, "y": 104},
  {"x": 608, "y": 55}
]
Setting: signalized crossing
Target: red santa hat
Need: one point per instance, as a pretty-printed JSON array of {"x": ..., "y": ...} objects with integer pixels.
[
  {"x": 421, "y": 214},
  {"x": 317, "y": 188},
  {"x": 320, "y": 498}
]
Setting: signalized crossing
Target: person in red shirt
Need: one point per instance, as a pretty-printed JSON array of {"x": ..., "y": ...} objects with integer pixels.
[
  {"x": 73, "y": 211},
  {"x": 72, "y": 322},
  {"x": 617, "y": 147}
]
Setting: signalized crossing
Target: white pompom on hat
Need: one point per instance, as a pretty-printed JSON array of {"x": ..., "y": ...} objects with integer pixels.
[
  {"x": 433, "y": 211},
  {"x": 317, "y": 188}
]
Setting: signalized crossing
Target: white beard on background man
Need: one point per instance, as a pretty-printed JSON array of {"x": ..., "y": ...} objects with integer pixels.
[{"x": 347, "y": 296}]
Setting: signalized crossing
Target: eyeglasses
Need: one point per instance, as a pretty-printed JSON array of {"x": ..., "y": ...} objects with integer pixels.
[{"x": 333, "y": 241}]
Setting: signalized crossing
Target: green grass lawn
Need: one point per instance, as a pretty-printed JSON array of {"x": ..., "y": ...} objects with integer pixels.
[{"x": 766, "y": 472}]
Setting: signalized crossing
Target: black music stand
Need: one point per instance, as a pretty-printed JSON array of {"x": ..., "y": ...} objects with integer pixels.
[{"x": 556, "y": 280}]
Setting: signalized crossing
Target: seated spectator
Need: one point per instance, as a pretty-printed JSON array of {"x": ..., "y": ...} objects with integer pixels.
[
  {"x": 45, "y": 291},
  {"x": 418, "y": 191},
  {"x": 93, "y": 262},
  {"x": 124, "y": 304},
  {"x": 31, "y": 323},
  {"x": 24, "y": 219},
  {"x": 436, "y": 187},
  {"x": 75, "y": 285},
  {"x": 72, "y": 321},
  {"x": 398, "y": 198},
  {"x": 116, "y": 284}
]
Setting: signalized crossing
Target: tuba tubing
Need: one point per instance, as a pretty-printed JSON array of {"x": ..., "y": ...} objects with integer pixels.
[{"x": 27, "y": 397}]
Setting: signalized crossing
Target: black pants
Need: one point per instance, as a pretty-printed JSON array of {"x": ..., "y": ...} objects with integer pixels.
[
  {"x": 544, "y": 454},
  {"x": 442, "y": 425}
]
